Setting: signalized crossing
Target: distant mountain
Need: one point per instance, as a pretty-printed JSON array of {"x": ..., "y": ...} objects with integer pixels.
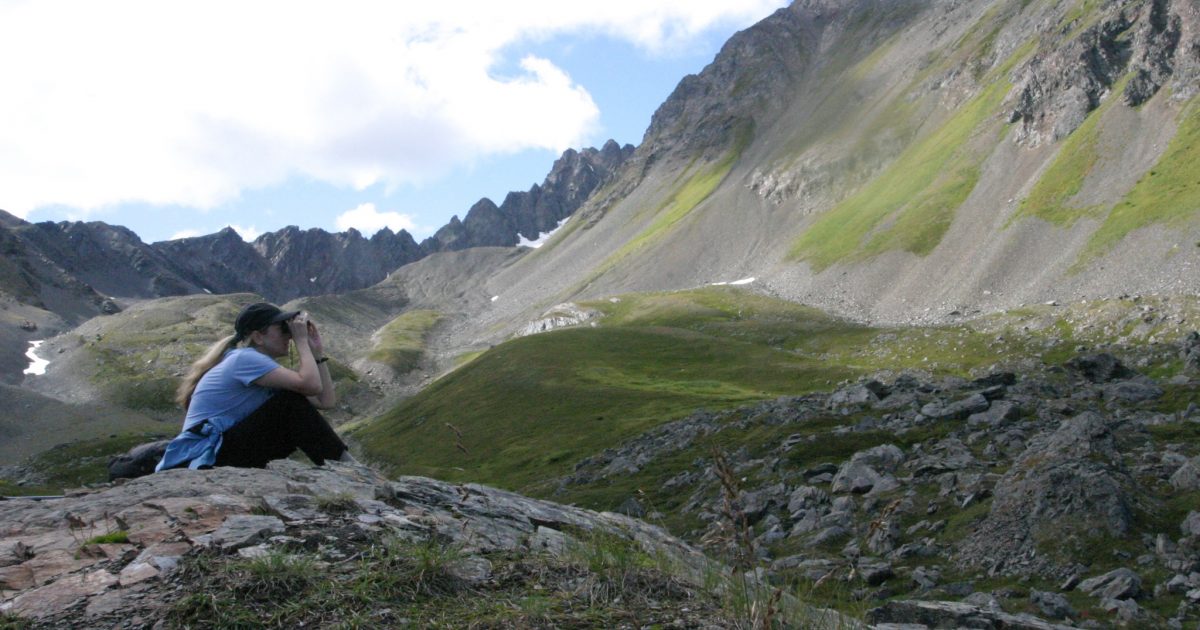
[
  {"x": 73, "y": 268},
  {"x": 528, "y": 214}
]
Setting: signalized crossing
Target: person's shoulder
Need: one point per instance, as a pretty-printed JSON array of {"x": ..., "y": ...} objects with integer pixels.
[{"x": 248, "y": 356}]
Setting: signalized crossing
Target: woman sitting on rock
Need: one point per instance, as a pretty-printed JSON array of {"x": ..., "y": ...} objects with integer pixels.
[{"x": 244, "y": 409}]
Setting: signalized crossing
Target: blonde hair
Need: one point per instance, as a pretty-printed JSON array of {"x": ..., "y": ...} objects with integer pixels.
[{"x": 213, "y": 356}]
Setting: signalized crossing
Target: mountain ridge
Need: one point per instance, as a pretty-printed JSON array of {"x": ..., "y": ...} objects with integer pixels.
[{"x": 291, "y": 262}]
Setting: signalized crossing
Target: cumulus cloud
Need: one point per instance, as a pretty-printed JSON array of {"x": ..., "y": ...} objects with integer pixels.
[
  {"x": 369, "y": 220},
  {"x": 192, "y": 103}
]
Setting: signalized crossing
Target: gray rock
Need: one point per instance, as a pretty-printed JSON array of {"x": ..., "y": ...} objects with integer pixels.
[
  {"x": 858, "y": 394},
  {"x": 1132, "y": 391},
  {"x": 804, "y": 497},
  {"x": 957, "y": 410},
  {"x": 954, "y": 615},
  {"x": 999, "y": 412},
  {"x": 868, "y": 468},
  {"x": 1189, "y": 351},
  {"x": 1191, "y": 524},
  {"x": 1099, "y": 368},
  {"x": 1187, "y": 477},
  {"x": 1052, "y": 605},
  {"x": 1120, "y": 583},
  {"x": 245, "y": 530}
]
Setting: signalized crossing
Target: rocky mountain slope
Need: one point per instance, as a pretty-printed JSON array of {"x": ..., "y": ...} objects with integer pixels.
[{"x": 905, "y": 161}]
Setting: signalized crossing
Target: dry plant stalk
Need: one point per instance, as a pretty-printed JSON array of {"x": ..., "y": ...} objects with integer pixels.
[
  {"x": 458, "y": 439},
  {"x": 762, "y": 613}
]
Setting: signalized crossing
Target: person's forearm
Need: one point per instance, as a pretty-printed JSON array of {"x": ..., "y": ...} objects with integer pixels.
[
  {"x": 328, "y": 396},
  {"x": 309, "y": 371}
]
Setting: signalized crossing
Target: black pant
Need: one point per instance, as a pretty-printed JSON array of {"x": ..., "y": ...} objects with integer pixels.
[{"x": 286, "y": 422}]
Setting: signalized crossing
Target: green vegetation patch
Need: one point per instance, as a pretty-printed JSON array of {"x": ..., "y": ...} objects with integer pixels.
[
  {"x": 401, "y": 343},
  {"x": 1168, "y": 193},
  {"x": 910, "y": 206},
  {"x": 118, "y": 537}
]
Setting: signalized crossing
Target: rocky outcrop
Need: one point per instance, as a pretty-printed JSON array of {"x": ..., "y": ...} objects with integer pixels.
[
  {"x": 1155, "y": 41},
  {"x": 55, "y": 571}
]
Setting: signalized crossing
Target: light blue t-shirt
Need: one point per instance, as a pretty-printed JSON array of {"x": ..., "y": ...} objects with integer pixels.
[{"x": 225, "y": 395}]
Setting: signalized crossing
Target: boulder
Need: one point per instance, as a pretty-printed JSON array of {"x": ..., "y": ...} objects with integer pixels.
[
  {"x": 1052, "y": 605},
  {"x": 1132, "y": 391},
  {"x": 856, "y": 395},
  {"x": 1068, "y": 483},
  {"x": 1099, "y": 368},
  {"x": 1189, "y": 351},
  {"x": 867, "y": 469},
  {"x": 1118, "y": 584},
  {"x": 1191, "y": 524}
]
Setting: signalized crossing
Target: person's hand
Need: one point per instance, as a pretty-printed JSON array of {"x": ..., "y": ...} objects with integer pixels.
[
  {"x": 314, "y": 339},
  {"x": 298, "y": 326}
]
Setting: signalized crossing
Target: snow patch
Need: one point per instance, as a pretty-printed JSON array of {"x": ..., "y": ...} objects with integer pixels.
[
  {"x": 542, "y": 238},
  {"x": 37, "y": 365},
  {"x": 495, "y": 297},
  {"x": 734, "y": 283}
]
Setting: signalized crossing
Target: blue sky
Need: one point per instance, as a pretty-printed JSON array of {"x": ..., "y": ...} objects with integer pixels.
[{"x": 179, "y": 119}]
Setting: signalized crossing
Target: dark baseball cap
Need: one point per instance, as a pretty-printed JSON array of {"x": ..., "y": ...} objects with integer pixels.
[{"x": 258, "y": 316}]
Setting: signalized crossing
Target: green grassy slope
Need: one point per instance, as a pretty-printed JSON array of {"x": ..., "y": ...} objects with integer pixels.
[
  {"x": 528, "y": 409},
  {"x": 401, "y": 343},
  {"x": 547, "y": 400}
]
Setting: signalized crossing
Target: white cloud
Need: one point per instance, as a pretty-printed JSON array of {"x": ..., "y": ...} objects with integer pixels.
[
  {"x": 368, "y": 220},
  {"x": 184, "y": 234},
  {"x": 248, "y": 234},
  {"x": 192, "y": 103}
]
